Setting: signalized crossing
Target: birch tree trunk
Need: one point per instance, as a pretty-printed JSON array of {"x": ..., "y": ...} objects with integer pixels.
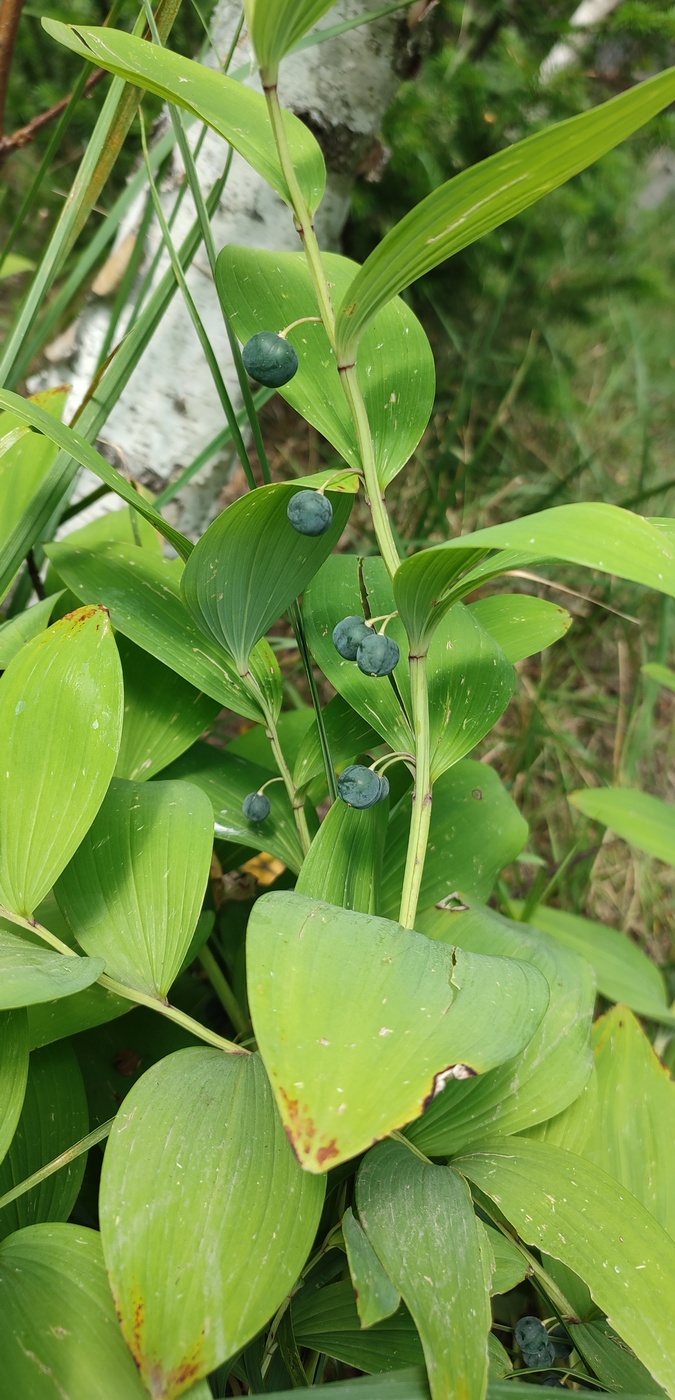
[{"x": 169, "y": 410}]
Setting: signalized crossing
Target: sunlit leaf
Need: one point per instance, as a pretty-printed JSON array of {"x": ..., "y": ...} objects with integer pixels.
[
  {"x": 486, "y": 195},
  {"x": 200, "y": 1186},
  {"x": 18, "y": 630},
  {"x": 577, "y": 1213},
  {"x": 277, "y": 25},
  {"x": 57, "y": 1318},
  {"x": 421, "y": 1223},
  {"x": 233, "y": 110},
  {"x": 268, "y": 291},
  {"x": 53, "y": 1117},
  {"x": 163, "y": 714},
  {"x": 552, "y": 1069},
  {"x": 31, "y": 974},
  {"x": 356, "y": 1017},
  {"x": 251, "y": 564},
  {"x": 520, "y": 623},
  {"x": 622, "y": 970},
  {"x": 49, "y": 1021},
  {"x": 642, "y": 820},
  {"x": 60, "y": 726},
  {"x": 663, "y": 674},
  {"x": 142, "y": 594},
  {"x": 594, "y": 535},
  {"x": 134, "y": 888}
]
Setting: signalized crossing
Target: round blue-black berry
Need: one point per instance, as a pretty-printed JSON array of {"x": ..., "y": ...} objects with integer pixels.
[
  {"x": 359, "y": 786},
  {"x": 530, "y": 1332},
  {"x": 377, "y": 655},
  {"x": 269, "y": 359},
  {"x": 384, "y": 787},
  {"x": 310, "y": 513},
  {"x": 256, "y": 807},
  {"x": 347, "y": 636}
]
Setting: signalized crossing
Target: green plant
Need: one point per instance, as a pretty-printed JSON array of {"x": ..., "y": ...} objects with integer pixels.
[{"x": 407, "y": 1117}]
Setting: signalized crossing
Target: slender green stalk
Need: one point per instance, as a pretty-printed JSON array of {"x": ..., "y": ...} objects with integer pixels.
[
  {"x": 34, "y": 927},
  {"x": 297, "y": 801},
  {"x": 172, "y": 1013},
  {"x": 329, "y": 766},
  {"x": 422, "y": 795},
  {"x": 223, "y": 990},
  {"x": 57, "y": 1163},
  {"x": 374, "y": 492}
]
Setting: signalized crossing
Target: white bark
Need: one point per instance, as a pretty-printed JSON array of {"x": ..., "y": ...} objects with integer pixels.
[
  {"x": 565, "y": 53},
  {"x": 170, "y": 410}
]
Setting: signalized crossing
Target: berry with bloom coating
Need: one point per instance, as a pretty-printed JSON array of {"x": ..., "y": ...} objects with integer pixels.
[
  {"x": 348, "y": 635},
  {"x": 377, "y": 655},
  {"x": 270, "y": 359},
  {"x": 310, "y": 513},
  {"x": 384, "y": 787},
  {"x": 256, "y": 807},
  {"x": 359, "y": 786}
]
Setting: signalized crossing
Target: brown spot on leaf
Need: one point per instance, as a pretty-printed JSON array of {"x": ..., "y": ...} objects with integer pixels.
[
  {"x": 81, "y": 615},
  {"x": 324, "y": 1154}
]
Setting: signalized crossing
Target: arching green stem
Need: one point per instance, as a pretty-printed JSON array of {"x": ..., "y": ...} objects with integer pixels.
[
  {"x": 422, "y": 796},
  {"x": 374, "y": 492}
]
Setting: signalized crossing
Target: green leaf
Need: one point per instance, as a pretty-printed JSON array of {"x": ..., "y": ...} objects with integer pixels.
[
  {"x": 251, "y": 564},
  {"x": 14, "y": 263},
  {"x": 277, "y": 25},
  {"x": 577, "y": 1213},
  {"x": 510, "y": 1265},
  {"x": 53, "y": 1117},
  {"x": 60, "y": 726},
  {"x": 622, "y": 970},
  {"x": 521, "y": 624},
  {"x": 631, "y": 1133},
  {"x": 476, "y": 830},
  {"x": 356, "y": 1017},
  {"x": 19, "y": 630},
  {"x": 376, "y": 1295},
  {"x": 28, "y": 411},
  {"x": 348, "y": 735},
  {"x": 268, "y": 291},
  {"x": 133, "y": 891},
  {"x": 13, "y": 1073},
  {"x": 227, "y": 780},
  {"x": 163, "y": 714},
  {"x": 142, "y": 594},
  {"x": 25, "y": 462},
  {"x": 642, "y": 820},
  {"x": 57, "y": 1320},
  {"x": 327, "y": 1320},
  {"x": 595, "y": 535},
  {"x": 662, "y": 674},
  {"x": 411, "y": 1384},
  {"x": 614, "y": 1365},
  {"x": 50, "y": 1021},
  {"x": 233, "y": 110},
  {"x": 552, "y": 1069},
  {"x": 200, "y": 1186},
  {"x": 421, "y": 1223},
  {"x": 470, "y": 680},
  {"x": 344, "y": 862},
  {"x": 29, "y": 974},
  {"x": 485, "y": 196}
]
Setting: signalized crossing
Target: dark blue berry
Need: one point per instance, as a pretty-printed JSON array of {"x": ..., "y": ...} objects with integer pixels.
[
  {"x": 310, "y": 513},
  {"x": 384, "y": 787},
  {"x": 377, "y": 655},
  {"x": 359, "y": 786},
  {"x": 347, "y": 636},
  {"x": 256, "y": 807},
  {"x": 530, "y": 1332},
  {"x": 269, "y": 359}
]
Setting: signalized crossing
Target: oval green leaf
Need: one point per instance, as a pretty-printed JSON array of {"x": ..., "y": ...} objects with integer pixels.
[
  {"x": 623, "y": 972},
  {"x": 60, "y": 726},
  {"x": 251, "y": 565},
  {"x": 376, "y": 1296},
  {"x": 132, "y": 893},
  {"x": 356, "y": 1018},
  {"x": 30, "y": 974},
  {"x": 200, "y": 1188},
  {"x": 520, "y": 623},
  {"x": 58, "y": 1330},
  {"x": 13, "y": 1073},
  {"x": 486, "y": 195},
  {"x": 640, "y": 819},
  {"x": 344, "y": 862},
  {"x": 163, "y": 714},
  {"x": 18, "y": 630},
  {"x": 267, "y": 291}
]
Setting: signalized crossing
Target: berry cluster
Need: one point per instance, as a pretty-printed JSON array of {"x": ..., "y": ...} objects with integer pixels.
[{"x": 374, "y": 654}]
